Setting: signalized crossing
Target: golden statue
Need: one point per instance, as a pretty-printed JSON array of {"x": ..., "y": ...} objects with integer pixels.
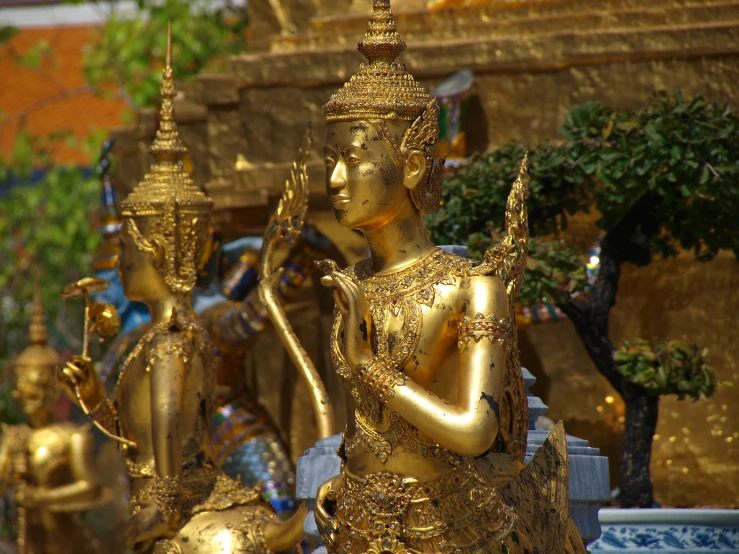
[
  {"x": 180, "y": 502},
  {"x": 425, "y": 344},
  {"x": 50, "y": 464}
]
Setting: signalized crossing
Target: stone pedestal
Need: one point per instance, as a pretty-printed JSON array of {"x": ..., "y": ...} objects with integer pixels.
[
  {"x": 589, "y": 480},
  {"x": 318, "y": 465}
]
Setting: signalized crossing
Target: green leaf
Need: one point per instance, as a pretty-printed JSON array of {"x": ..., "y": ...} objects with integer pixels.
[{"x": 7, "y": 32}]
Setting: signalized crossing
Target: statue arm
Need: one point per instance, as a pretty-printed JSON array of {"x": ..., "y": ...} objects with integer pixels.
[
  {"x": 86, "y": 486},
  {"x": 6, "y": 462},
  {"x": 469, "y": 426},
  {"x": 169, "y": 358},
  {"x": 319, "y": 396},
  {"x": 81, "y": 384}
]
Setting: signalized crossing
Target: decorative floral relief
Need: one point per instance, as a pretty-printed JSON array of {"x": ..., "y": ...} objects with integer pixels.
[{"x": 668, "y": 538}]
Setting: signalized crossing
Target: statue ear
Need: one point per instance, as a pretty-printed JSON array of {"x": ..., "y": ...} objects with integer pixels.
[
  {"x": 153, "y": 245},
  {"x": 415, "y": 168},
  {"x": 156, "y": 241}
]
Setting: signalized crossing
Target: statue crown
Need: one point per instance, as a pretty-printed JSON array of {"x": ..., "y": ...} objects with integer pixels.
[
  {"x": 181, "y": 211},
  {"x": 167, "y": 182},
  {"x": 38, "y": 359},
  {"x": 382, "y": 88}
]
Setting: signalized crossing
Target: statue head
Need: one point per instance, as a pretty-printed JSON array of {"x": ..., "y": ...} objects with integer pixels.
[
  {"x": 382, "y": 135},
  {"x": 35, "y": 367},
  {"x": 166, "y": 218}
]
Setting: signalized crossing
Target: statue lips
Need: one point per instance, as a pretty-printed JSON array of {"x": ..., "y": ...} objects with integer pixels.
[{"x": 340, "y": 200}]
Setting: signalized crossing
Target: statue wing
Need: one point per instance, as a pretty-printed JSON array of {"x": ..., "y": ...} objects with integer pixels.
[{"x": 507, "y": 260}]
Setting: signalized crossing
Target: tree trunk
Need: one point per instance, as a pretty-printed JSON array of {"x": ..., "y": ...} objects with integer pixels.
[
  {"x": 641, "y": 421},
  {"x": 591, "y": 319}
]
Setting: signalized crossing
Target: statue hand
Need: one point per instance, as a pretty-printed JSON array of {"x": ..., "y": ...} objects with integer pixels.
[
  {"x": 150, "y": 525},
  {"x": 80, "y": 372},
  {"x": 327, "y": 525},
  {"x": 354, "y": 310}
]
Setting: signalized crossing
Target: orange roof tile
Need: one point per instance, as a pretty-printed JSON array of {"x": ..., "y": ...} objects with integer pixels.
[{"x": 54, "y": 98}]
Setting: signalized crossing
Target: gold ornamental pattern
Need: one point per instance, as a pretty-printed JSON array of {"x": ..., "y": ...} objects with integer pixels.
[{"x": 453, "y": 512}]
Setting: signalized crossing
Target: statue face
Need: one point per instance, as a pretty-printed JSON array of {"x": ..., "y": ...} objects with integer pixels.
[
  {"x": 33, "y": 392},
  {"x": 365, "y": 188}
]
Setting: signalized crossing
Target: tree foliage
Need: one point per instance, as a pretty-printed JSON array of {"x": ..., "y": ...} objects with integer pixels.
[
  {"x": 127, "y": 53},
  {"x": 44, "y": 226},
  {"x": 679, "y": 154},
  {"x": 661, "y": 179},
  {"x": 667, "y": 367}
]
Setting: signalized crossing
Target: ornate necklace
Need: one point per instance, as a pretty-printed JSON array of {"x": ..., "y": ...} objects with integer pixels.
[
  {"x": 400, "y": 294},
  {"x": 183, "y": 323}
]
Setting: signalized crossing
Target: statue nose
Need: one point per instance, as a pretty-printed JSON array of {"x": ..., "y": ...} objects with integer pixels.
[{"x": 338, "y": 178}]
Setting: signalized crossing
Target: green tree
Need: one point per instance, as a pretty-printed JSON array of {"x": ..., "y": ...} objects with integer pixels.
[
  {"x": 662, "y": 179},
  {"x": 44, "y": 226},
  {"x": 47, "y": 222},
  {"x": 667, "y": 367},
  {"x": 127, "y": 53}
]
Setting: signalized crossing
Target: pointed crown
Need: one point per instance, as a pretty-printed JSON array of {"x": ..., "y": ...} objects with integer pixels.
[
  {"x": 38, "y": 355},
  {"x": 166, "y": 184},
  {"x": 167, "y": 195},
  {"x": 382, "y": 88}
]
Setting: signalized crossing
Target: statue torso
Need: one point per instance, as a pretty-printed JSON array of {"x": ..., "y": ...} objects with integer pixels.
[
  {"x": 133, "y": 394},
  {"x": 415, "y": 318},
  {"x": 49, "y": 455}
]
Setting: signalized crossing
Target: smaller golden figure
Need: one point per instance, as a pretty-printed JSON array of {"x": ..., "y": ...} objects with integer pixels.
[
  {"x": 50, "y": 464},
  {"x": 181, "y": 503}
]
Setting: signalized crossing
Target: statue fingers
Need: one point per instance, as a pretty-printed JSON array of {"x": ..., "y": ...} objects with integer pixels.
[
  {"x": 326, "y": 524},
  {"x": 337, "y": 293},
  {"x": 354, "y": 296},
  {"x": 68, "y": 377},
  {"x": 81, "y": 361},
  {"x": 327, "y": 281},
  {"x": 327, "y": 266},
  {"x": 75, "y": 373},
  {"x": 340, "y": 303}
]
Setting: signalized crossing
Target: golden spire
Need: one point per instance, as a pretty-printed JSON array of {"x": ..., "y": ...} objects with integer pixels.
[
  {"x": 167, "y": 181},
  {"x": 381, "y": 42},
  {"x": 382, "y": 88},
  {"x": 37, "y": 356},
  {"x": 167, "y": 144},
  {"x": 37, "y": 333}
]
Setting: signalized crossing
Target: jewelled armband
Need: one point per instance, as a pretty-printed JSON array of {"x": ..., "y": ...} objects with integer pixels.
[
  {"x": 481, "y": 327},
  {"x": 381, "y": 378},
  {"x": 167, "y": 492}
]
